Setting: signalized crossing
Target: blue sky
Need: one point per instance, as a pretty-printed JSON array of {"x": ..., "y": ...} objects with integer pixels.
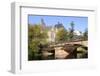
[{"x": 81, "y": 23}]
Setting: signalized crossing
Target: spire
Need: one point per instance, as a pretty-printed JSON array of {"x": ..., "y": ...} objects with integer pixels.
[{"x": 43, "y": 23}]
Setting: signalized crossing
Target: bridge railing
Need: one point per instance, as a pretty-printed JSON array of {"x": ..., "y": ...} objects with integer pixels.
[{"x": 82, "y": 42}]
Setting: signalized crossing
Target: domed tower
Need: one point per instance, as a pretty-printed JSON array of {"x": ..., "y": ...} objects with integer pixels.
[{"x": 58, "y": 26}]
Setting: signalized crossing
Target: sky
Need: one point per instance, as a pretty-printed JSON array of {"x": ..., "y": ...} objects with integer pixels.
[{"x": 80, "y": 23}]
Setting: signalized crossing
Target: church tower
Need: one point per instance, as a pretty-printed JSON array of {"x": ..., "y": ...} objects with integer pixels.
[{"x": 43, "y": 25}]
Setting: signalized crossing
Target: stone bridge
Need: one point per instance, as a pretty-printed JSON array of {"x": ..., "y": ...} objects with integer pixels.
[{"x": 63, "y": 50}]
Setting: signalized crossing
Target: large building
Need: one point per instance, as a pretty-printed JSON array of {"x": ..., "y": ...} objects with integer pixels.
[{"x": 53, "y": 30}]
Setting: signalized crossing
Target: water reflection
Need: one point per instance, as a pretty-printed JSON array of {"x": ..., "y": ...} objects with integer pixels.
[{"x": 65, "y": 52}]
